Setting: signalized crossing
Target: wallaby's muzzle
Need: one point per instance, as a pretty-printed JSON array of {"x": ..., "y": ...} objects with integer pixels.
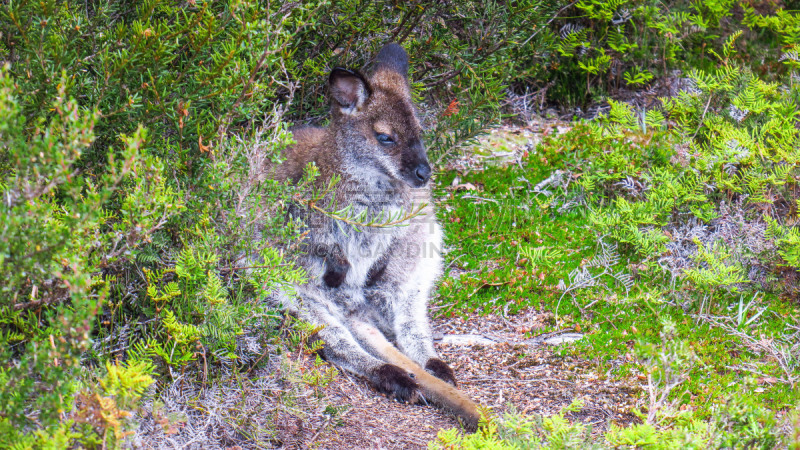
[
  {"x": 415, "y": 167},
  {"x": 423, "y": 173},
  {"x": 417, "y": 173}
]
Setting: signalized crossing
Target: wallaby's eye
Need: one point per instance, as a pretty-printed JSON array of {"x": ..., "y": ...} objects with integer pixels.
[{"x": 384, "y": 139}]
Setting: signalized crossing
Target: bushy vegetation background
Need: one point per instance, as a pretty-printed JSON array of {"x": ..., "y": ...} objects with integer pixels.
[{"x": 133, "y": 133}]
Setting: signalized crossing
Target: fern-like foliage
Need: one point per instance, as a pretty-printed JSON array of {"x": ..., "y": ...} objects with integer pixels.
[
  {"x": 541, "y": 256},
  {"x": 715, "y": 270}
]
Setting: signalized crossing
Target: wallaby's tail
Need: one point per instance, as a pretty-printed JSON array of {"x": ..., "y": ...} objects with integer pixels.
[{"x": 434, "y": 389}]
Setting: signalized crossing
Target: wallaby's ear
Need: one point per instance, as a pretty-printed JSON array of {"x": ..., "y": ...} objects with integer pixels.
[
  {"x": 349, "y": 89},
  {"x": 394, "y": 57}
]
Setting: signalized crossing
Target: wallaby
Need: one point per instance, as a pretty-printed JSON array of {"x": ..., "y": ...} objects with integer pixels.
[{"x": 369, "y": 287}]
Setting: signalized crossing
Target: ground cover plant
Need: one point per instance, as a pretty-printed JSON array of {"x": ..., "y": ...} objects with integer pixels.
[{"x": 131, "y": 135}]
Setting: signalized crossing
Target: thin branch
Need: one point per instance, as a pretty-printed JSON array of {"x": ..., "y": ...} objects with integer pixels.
[
  {"x": 354, "y": 221},
  {"x": 548, "y": 23},
  {"x": 230, "y": 269},
  {"x": 700, "y": 124},
  {"x": 57, "y": 296},
  {"x": 475, "y": 197}
]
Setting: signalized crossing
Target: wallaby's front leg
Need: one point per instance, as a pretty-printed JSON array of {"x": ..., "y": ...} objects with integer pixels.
[
  {"x": 336, "y": 267},
  {"x": 334, "y": 261}
]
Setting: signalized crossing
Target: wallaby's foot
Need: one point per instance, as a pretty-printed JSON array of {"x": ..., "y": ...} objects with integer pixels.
[
  {"x": 440, "y": 369},
  {"x": 396, "y": 383}
]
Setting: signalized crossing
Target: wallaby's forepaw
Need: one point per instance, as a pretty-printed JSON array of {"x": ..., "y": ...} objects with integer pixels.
[
  {"x": 440, "y": 369},
  {"x": 336, "y": 267},
  {"x": 335, "y": 273},
  {"x": 396, "y": 383}
]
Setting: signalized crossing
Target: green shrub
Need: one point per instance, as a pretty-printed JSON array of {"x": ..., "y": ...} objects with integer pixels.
[
  {"x": 704, "y": 187},
  {"x": 735, "y": 423},
  {"x": 514, "y": 431},
  {"x": 128, "y": 202}
]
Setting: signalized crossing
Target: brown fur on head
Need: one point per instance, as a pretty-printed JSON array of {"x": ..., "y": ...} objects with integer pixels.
[{"x": 374, "y": 119}]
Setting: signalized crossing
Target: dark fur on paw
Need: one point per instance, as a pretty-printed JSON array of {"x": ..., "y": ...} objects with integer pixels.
[
  {"x": 440, "y": 369},
  {"x": 396, "y": 383},
  {"x": 336, "y": 267},
  {"x": 335, "y": 272}
]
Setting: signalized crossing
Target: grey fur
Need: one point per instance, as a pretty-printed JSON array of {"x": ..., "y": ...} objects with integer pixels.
[{"x": 388, "y": 273}]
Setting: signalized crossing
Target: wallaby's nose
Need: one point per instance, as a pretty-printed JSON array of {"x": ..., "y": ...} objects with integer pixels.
[{"x": 423, "y": 172}]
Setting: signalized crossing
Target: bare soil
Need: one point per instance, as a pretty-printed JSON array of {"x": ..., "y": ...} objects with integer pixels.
[{"x": 514, "y": 374}]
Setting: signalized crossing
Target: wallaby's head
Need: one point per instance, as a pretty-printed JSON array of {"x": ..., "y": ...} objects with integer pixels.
[{"x": 374, "y": 120}]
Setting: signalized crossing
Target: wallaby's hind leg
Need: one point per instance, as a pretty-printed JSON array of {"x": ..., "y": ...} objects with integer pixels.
[
  {"x": 441, "y": 370},
  {"x": 433, "y": 388},
  {"x": 411, "y": 330},
  {"x": 396, "y": 383},
  {"x": 342, "y": 349},
  {"x": 403, "y": 284},
  {"x": 414, "y": 338}
]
